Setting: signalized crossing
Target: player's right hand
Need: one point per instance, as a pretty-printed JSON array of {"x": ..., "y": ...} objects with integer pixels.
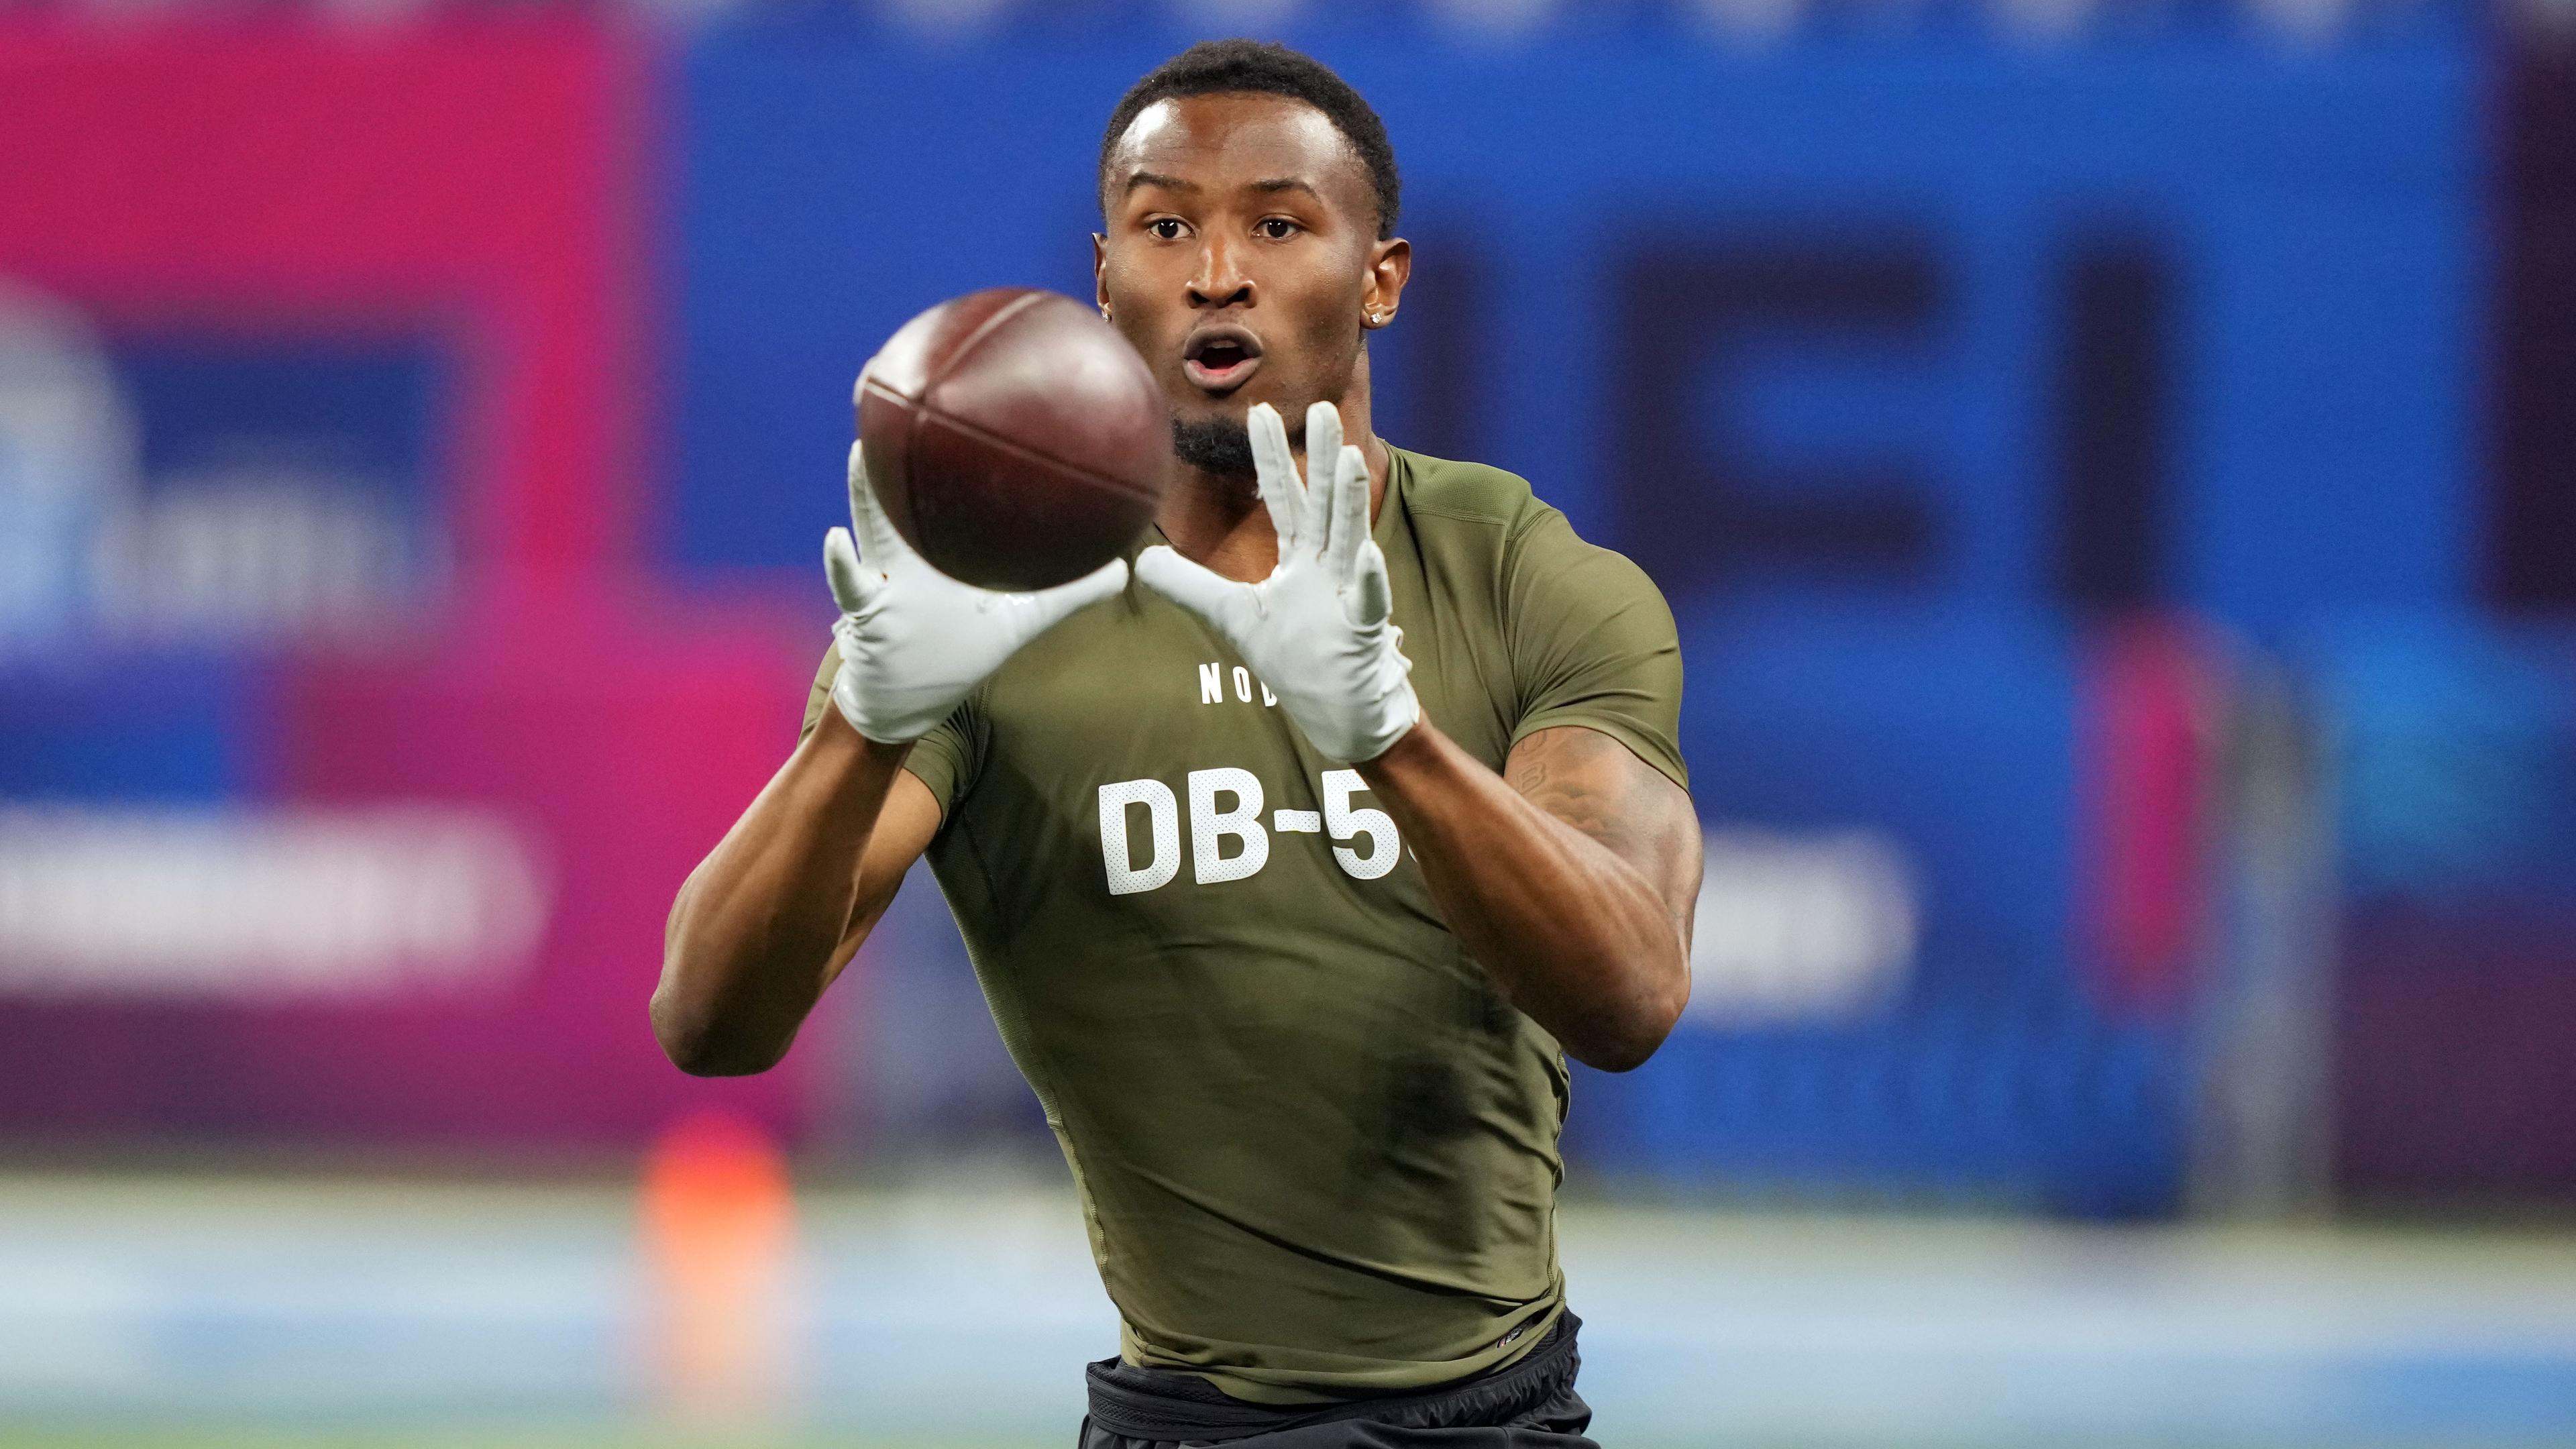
[{"x": 913, "y": 641}]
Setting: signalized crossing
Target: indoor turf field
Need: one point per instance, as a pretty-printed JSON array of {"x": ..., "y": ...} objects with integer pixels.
[{"x": 157, "y": 1311}]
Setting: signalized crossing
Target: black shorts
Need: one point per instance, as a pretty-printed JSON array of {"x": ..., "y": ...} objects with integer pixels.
[{"x": 1530, "y": 1404}]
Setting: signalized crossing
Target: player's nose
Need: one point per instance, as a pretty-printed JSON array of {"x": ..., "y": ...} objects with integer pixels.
[{"x": 1220, "y": 280}]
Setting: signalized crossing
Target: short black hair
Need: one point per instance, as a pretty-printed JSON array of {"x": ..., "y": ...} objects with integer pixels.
[{"x": 1215, "y": 67}]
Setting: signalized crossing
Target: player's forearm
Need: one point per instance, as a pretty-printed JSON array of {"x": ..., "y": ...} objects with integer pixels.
[
  {"x": 759, "y": 926},
  {"x": 1574, "y": 935}
]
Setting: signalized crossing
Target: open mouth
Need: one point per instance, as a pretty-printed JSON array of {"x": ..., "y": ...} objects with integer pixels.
[{"x": 1219, "y": 359}]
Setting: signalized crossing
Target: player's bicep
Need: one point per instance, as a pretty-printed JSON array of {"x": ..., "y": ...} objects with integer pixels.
[
  {"x": 1601, "y": 788},
  {"x": 905, "y": 825}
]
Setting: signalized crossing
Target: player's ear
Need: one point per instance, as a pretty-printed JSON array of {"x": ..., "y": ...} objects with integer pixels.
[
  {"x": 1100, "y": 271},
  {"x": 1390, "y": 267}
]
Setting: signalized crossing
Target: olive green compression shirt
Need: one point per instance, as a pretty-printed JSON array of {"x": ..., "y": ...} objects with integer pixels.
[{"x": 1316, "y": 1149}]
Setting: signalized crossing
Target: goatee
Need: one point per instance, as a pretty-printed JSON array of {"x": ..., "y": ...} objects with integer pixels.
[{"x": 1223, "y": 446}]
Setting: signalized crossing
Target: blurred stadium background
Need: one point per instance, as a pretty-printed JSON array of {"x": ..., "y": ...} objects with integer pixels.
[{"x": 2114, "y": 462}]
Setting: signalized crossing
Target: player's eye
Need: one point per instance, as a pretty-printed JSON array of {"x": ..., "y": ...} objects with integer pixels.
[
  {"x": 1276, "y": 228},
  {"x": 1166, "y": 227}
]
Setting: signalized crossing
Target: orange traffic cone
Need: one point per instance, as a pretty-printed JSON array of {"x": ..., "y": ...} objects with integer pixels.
[{"x": 718, "y": 1233}]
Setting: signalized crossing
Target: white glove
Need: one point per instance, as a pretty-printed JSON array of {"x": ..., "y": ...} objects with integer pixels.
[
  {"x": 914, "y": 641},
  {"x": 1316, "y": 630}
]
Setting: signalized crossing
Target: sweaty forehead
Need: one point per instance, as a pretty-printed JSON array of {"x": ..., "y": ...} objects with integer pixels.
[{"x": 1230, "y": 139}]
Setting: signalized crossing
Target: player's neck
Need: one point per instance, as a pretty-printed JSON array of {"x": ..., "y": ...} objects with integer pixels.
[{"x": 1217, "y": 519}]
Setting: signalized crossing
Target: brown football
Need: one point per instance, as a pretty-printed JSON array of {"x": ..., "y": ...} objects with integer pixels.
[{"x": 1014, "y": 438}]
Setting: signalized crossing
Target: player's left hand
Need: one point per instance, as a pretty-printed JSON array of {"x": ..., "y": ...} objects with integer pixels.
[{"x": 1317, "y": 630}]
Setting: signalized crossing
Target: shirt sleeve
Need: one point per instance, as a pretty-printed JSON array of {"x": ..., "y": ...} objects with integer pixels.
[
  {"x": 944, "y": 759},
  {"x": 1593, "y": 644}
]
